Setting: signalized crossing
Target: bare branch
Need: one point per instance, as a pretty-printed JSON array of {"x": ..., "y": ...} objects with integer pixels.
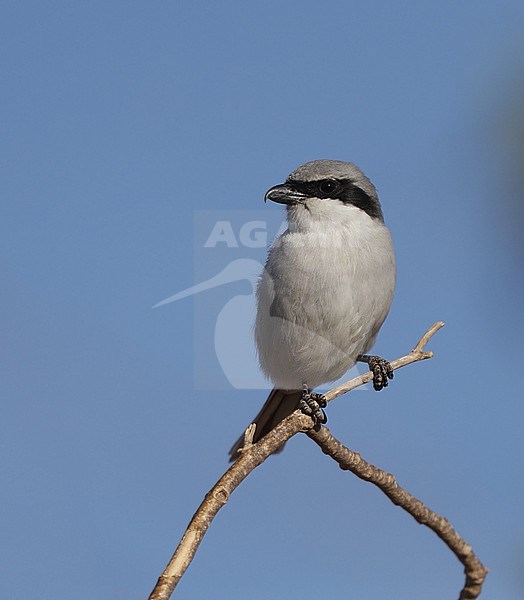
[
  {"x": 352, "y": 461},
  {"x": 256, "y": 454},
  {"x": 216, "y": 498}
]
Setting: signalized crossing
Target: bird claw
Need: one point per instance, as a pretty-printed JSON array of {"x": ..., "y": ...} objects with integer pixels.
[
  {"x": 311, "y": 404},
  {"x": 381, "y": 369}
]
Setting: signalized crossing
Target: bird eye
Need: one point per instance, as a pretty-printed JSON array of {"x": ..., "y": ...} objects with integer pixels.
[{"x": 328, "y": 186}]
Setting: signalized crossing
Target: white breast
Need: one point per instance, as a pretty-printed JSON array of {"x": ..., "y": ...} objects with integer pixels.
[{"x": 324, "y": 294}]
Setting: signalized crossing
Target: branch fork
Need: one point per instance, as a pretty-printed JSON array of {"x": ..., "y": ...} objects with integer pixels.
[{"x": 255, "y": 454}]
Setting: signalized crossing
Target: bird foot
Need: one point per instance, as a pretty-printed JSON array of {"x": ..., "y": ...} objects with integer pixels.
[
  {"x": 381, "y": 369},
  {"x": 311, "y": 404}
]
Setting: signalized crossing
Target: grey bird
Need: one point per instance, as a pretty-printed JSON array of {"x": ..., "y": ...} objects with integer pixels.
[{"x": 325, "y": 291}]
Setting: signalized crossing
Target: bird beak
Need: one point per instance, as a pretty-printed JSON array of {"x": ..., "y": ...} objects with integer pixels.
[{"x": 284, "y": 194}]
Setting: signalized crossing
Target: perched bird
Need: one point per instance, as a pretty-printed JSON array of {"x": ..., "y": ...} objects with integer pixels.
[{"x": 325, "y": 291}]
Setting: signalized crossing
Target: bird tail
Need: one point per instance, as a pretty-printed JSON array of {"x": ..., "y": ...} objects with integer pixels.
[{"x": 279, "y": 405}]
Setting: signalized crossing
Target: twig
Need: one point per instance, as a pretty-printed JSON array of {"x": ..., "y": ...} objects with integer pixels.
[
  {"x": 418, "y": 353},
  {"x": 352, "y": 461},
  {"x": 251, "y": 458}
]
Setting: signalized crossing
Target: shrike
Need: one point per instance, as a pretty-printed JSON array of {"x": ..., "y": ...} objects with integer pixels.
[{"x": 325, "y": 291}]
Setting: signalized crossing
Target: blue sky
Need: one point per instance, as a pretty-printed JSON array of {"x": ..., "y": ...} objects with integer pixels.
[{"x": 124, "y": 127}]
